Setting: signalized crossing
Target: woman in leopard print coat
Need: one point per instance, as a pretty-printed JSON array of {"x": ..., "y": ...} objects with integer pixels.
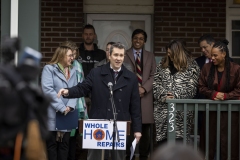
[{"x": 176, "y": 77}]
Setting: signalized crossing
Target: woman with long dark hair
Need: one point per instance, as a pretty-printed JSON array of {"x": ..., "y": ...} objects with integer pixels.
[
  {"x": 220, "y": 80},
  {"x": 176, "y": 77}
]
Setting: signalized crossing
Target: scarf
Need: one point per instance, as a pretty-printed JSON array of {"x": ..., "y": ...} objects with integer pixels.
[
  {"x": 65, "y": 71},
  {"x": 81, "y": 105}
]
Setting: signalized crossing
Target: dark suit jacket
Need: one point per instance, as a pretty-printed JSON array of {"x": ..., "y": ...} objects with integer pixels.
[
  {"x": 201, "y": 61},
  {"x": 125, "y": 93}
]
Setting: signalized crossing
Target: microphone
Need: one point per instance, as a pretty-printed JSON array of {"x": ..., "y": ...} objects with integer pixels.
[{"x": 110, "y": 87}]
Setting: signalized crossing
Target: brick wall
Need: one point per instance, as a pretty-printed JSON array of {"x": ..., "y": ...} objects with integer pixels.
[
  {"x": 60, "y": 20},
  {"x": 187, "y": 19},
  {"x": 63, "y": 20}
]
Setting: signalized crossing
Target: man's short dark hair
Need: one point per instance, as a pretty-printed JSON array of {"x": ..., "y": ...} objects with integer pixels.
[
  {"x": 111, "y": 43},
  {"x": 117, "y": 45},
  {"x": 137, "y": 31},
  {"x": 89, "y": 26},
  {"x": 208, "y": 38}
]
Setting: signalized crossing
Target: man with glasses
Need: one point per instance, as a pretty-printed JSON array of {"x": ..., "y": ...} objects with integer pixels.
[{"x": 205, "y": 43}]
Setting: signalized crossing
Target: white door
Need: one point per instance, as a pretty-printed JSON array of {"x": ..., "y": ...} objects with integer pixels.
[{"x": 119, "y": 28}]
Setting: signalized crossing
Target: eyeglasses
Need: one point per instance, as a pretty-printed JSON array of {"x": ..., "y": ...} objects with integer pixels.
[{"x": 70, "y": 55}]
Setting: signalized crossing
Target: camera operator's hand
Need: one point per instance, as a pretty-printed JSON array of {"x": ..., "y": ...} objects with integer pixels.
[{"x": 62, "y": 92}]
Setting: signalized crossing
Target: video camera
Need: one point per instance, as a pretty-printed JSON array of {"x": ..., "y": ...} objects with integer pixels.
[{"x": 21, "y": 102}]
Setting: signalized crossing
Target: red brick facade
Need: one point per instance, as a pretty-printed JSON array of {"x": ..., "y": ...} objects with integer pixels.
[
  {"x": 187, "y": 19},
  {"x": 60, "y": 20},
  {"x": 63, "y": 20}
]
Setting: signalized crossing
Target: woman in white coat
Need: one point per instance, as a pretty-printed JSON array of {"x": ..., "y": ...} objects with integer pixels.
[{"x": 176, "y": 77}]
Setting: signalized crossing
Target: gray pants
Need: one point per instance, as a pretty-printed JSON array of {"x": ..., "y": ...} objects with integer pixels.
[{"x": 96, "y": 154}]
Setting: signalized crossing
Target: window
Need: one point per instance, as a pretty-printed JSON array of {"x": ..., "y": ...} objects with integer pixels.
[
  {"x": 233, "y": 27},
  {"x": 236, "y": 38}
]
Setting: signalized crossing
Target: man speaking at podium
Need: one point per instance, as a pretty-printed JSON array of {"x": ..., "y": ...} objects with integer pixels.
[{"x": 112, "y": 78}]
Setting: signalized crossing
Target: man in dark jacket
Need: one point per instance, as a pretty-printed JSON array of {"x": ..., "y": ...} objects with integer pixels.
[
  {"x": 89, "y": 52},
  {"x": 125, "y": 95},
  {"x": 205, "y": 42}
]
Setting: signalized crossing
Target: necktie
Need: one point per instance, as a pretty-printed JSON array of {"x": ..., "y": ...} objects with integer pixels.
[
  {"x": 115, "y": 76},
  {"x": 138, "y": 69}
]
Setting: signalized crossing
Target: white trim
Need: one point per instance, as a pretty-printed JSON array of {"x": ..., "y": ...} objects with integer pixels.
[
  {"x": 14, "y": 18},
  {"x": 229, "y": 32},
  {"x": 126, "y": 17},
  {"x": 14, "y": 24},
  {"x": 232, "y": 13},
  {"x": 119, "y": 2},
  {"x": 118, "y": 9},
  {"x": 118, "y": 6}
]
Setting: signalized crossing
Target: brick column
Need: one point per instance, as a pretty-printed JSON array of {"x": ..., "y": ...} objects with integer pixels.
[{"x": 61, "y": 20}]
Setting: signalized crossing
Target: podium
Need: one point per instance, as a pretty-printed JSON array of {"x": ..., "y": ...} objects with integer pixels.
[{"x": 97, "y": 134}]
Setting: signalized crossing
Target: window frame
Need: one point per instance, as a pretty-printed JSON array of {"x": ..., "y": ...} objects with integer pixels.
[
  {"x": 229, "y": 33},
  {"x": 232, "y": 13}
]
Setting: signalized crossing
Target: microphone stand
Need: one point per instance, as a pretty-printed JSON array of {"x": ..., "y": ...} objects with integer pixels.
[{"x": 115, "y": 129}]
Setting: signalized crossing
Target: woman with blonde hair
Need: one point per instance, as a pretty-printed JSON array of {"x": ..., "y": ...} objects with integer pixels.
[
  {"x": 82, "y": 108},
  {"x": 176, "y": 77},
  {"x": 57, "y": 74},
  {"x": 81, "y": 105}
]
